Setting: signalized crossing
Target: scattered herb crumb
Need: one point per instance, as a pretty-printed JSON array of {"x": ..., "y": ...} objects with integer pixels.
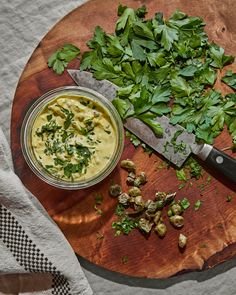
[
  {"x": 220, "y": 226},
  {"x": 185, "y": 203},
  {"x": 228, "y": 198},
  {"x": 98, "y": 210},
  {"x": 136, "y": 142},
  {"x": 124, "y": 226},
  {"x": 201, "y": 188},
  {"x": 162, "y": 165},
  {"x": 125, "y": 259},
  {"x": 100, "y": 236},
  {"x": 203, "y": 245},
  {"x": 208, "y": 179},
  {"x": 181, "y": 175},
  {"x": 182, "y": 185},
  {"x": 119, "y": 210},
  {"x": 197, "y": 205},
  {"x": 98, "y": 199}
]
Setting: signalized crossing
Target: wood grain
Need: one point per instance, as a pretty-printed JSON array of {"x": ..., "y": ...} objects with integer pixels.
[{"x": 211, "y": 230}]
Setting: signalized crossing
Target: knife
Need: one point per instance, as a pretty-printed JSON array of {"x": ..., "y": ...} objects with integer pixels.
[{"x": 175, "y": 145}]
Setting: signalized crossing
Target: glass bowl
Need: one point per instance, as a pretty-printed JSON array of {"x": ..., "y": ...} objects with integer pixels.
[{"x": 36, "y": 109}]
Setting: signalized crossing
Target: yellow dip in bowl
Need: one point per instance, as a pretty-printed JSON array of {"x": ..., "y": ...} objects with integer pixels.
[{"x": 72, "y": 138}]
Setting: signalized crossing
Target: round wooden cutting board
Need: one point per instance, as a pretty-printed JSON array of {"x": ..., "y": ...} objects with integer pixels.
[{"x": 211, "y": 230}]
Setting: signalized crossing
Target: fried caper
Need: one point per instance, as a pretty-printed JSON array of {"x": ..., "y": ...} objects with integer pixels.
[
  {"x": 140, "y": 180},
  {"x": 149, "y": 215},
  {"x": 115, "y": 190},
  {"x": 160, "y": 204},
  {"x": 161, "y": 229},
  {"x": 177, "y": 221},
  {"x": 137, "y": 182},
  {"x": 161, "y": 196},
  {"x": 169, "y": 213},
  {"x": 176, "y": 209},
  {"x": 130, "y": 179},
  {"x": 128, "y": 165},
  {"x": 182, "y": 241},
  {"x": 157, "y": 217},
  {"x": 145, "y": 225},
  {"x": 124, "y": 199},
  {"x": 169, "y": 198},
  {"x": 143, "y": 178},
  {"x": 138, "y": 200},
  {"x": 152, "y": 207},
  {"x": 134, "y": 191}
]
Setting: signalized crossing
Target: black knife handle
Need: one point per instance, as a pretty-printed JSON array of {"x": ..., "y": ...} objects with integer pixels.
[{"x": 223, "y": 163}]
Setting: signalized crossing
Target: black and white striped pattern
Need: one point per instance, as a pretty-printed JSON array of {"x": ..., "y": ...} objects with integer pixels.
[{"x": 26, "y": 253}]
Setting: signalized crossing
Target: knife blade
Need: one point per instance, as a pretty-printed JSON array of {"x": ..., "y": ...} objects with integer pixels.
[{"x": 175, "y": 145}]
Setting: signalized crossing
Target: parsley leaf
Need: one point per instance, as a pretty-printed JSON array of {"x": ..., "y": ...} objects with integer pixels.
[
  {"x": 138, "y": 52},
  {"x": 230, "y": 79},
  {"x": 180, "y": 87},
  {"x": 168, "y": 35},
  {"x": 218, "y": 57},
  {"x": 149, "y": 119},
  {"x": 122, "y": 106},
  {"x": 60, "y": 59}
]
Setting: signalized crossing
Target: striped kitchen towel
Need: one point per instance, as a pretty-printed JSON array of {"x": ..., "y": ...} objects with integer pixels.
[{"x": 35, "y": 257}]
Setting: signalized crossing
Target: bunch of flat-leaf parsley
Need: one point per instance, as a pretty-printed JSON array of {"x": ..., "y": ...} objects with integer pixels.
[{"x": 164, "y": 67}]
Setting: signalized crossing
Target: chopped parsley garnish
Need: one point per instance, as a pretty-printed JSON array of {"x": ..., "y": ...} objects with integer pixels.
[
  {"x": 53, "y": 147},
  {"x": 49, "y": 129},
  {"x": 194, "y": 167},
  {"x": 66, "y": 135},
  {"x": 69, "y": 116},
  {"x": 178, "y": 147},
  {"x": 49, "y": 117},
  {"x": 83, "y": 154},
  {"x": 120, "y": 209},
  {"x": 124, "y": 226},
  {"x": 49, "y": 166},
  {"x": 70, "y": 169},
  {"x": 58, "y": 161}
]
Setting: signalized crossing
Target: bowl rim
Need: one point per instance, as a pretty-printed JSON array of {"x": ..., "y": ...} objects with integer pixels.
[{"x": 32, "y": 113}]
